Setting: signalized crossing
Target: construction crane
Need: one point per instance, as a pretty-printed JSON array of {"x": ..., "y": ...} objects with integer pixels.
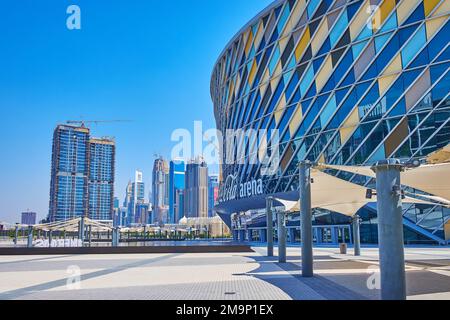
[{"x": 83, "y": 123}]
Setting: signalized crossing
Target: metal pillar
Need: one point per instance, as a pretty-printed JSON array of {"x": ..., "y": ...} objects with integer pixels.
[
  {"x": 16, "y": 234},
  {"x": 115, "y": 237},
  {"x": 281, "y": 223},
  {"x": 81, "y": 230},
  {"x": 306, "y": 219},
  {"x": 390, "y": 230},
  {"x": 262, "y": 235},
  {"x": 235, "y": 235},
  {"x": 50, "y": 238},
  {"x": 356, "y": 235},
  {"x": 269, "y": 213},
  {"x": 30, "y": 237},
  {"x": 334, "y": 235},
  {"x": 90, "y": 234},
  {"x": 249, "y": 235},
  {"x": 242, "y": 235},
  {"x": 145, "y": 233},
  {"x": 292, "y": 235}
]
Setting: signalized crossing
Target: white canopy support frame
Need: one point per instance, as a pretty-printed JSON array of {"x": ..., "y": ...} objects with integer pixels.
[
  {"x": 335, "y": 194},
  {"x": 432, "y": 178}
]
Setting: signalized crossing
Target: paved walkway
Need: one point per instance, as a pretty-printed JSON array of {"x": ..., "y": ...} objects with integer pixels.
[{"x": 210, "y": 276}]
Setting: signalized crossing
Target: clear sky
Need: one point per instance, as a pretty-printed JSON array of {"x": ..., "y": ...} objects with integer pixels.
[{"x": 143, "y": 60}]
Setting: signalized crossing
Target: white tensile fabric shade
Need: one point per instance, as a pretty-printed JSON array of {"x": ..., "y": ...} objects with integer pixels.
[
  {"x": 335, "y": 194},
  {"x": 433, "y": 178},
  {"x": 440, "y": 156}
]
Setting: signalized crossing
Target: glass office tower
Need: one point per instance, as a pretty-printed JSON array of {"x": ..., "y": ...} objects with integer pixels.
[{"x": 176, "y": 190}]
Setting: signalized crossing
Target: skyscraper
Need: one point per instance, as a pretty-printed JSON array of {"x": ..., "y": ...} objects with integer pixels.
[
  {"x": 196, "y": 192},
  {"x": 213, "y": 193},
  {"x": 82, "y": 175},
  {"x": 135, "y": 195},
  {"x": 69, "y": 173},
  {"x": 160, "y": 191},
  {"x": 101, "y": 178},
  {"x": 176, "y": 190}
]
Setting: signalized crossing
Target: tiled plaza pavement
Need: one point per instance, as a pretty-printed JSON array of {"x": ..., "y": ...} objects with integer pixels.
[{"x": 210, "y": 276}]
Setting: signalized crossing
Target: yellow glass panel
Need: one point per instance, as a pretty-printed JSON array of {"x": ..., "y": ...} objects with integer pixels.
[
  {"x": 296, "y": 119},
  {"x": 301, "y": 47},
  {"x": 259, "y": 35},
  {"x": 238, "y": 82},
  {"x": 443, "y": 8},
  {"x": 265, "y": 82},
  {"x": 434, "y": 25},
  {"x": 385, "y": 82},
  {"x": 319, "y": 37},
  {"x": 230, "y": 91},
  {"x": 251, "y": 76},
  {"x": 395, "y": 66},
  {"x": 278, "y": 111},
  {"x": 296, "y": 14},
  {"x": 324, "y": 73},
  {"x": 283, "y": 43},
  {"x": 430, "y": 5},
  {"x": 405, "y": 9},
  {"x": 382, "y": 13},
  {"x": 360, "y": 20},
  {"x": 277, "y": 70},
  {"x": 249, "y": 42},
  {"x": 349, "y": 125}
]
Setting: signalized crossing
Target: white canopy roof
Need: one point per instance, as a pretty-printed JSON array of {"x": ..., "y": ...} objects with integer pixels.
[
  {"x": 335, "y": 194},
  {"x": 432, "y": 178}
]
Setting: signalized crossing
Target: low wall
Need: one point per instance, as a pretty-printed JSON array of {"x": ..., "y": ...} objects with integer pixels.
[{"x": 126, "y": 250}]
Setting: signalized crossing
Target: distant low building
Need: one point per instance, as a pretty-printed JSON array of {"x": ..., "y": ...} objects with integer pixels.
[
  {"x": 215, "y": 227},
  {"x": 29, "y": 218}
]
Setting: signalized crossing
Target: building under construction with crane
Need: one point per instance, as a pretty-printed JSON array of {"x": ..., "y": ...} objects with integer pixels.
[{"x": 82, "y": 174}]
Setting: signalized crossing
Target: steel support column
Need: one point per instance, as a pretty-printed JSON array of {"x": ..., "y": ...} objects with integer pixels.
[
  {"x": 306, "y": 219},
  {"x": 390, "y": 230},
  {"x": 269, "y": 214},
  {"x": 281, "y": 237}
]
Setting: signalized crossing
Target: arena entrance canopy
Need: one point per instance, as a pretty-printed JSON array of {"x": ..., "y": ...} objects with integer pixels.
[
  {"x": 431, "y": 178},
  {"x": 337, "y": 195},
  {"x": 327, "y": 192}
]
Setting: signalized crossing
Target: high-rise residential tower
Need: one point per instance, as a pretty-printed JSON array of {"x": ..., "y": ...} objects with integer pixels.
[
  {"x": 101, "y": 178},
  {"x": 176, "y": 190},
  {"x": 196, "y": 192},
  {"x": 160, "y": 191},
  {"x": 82, "y": 175},
  {"x": 69, "y": 173}
]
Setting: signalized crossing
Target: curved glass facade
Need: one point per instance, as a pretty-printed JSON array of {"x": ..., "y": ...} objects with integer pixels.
[{"x": 344, "y": 82}]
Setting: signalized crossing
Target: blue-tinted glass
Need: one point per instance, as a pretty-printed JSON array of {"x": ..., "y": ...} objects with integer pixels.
[
  {"x": 417, "y": 15},
  {"x": 414, "y": 45},
  {"x": 439, "y": 41}
]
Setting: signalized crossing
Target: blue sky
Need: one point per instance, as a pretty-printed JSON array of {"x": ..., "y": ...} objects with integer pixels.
[{"x": 141, "y": 60}]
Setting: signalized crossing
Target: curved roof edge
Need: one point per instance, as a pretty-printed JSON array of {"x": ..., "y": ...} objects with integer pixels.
[{"x": 248, "y": 24}]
